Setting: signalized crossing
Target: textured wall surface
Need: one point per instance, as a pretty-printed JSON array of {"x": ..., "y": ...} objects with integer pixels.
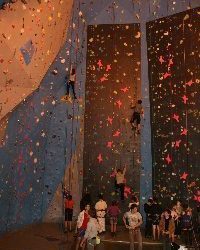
[
  {"x": 39, "y": 133},
  {"x": 174, "y": 89},
  {"x": 28, "y": 46},
  {"x": 112, "y": 86},
  {"x": 40, "y": 141},
  {"x": 126, "y": 11}
]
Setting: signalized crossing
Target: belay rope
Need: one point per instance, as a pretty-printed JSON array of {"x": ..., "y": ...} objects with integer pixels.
[{"x": 74, "y": 125}]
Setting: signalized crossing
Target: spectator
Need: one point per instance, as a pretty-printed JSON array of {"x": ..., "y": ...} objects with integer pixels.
[
  {"x": 156, "y": 213},
  {"x": 69, "y": 204},
  {"x": 148, "y": 212},
  {"x": 167, "y": 228},
  {"x": 113, "y": 212},
  {"x": 91, "y": 232},
  {"x": 82, "y": 222},
  {"x": 176, "y": 218},
  {"x": 101, "y": 207},
  {"x": 187, "y": 227},
  {"x": 134, "y": 222}
]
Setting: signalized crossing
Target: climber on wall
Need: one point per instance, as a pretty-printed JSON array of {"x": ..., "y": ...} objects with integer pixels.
[
  {"x": 71, "y": 83},
  {"x": 136, "y": 117},
  {"x": 120, "y": 180}
]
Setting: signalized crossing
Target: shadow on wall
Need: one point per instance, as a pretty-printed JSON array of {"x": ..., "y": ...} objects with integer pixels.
[{"x": 33, "y": 155}]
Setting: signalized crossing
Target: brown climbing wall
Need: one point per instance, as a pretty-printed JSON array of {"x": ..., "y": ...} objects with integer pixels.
[
  {"x": 112, "y": 83},
  {"x": 173, "y": 52}
]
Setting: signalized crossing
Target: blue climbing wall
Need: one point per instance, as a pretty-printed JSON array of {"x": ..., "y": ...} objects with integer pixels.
[{"x": 41, "y": 138}]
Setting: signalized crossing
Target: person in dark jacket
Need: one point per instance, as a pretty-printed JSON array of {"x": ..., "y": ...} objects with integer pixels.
[
  {"x": 86, "y": 199},
  {"x": 156, "y": 213},
  {"x": 136, "y": 117},
  {"x": 187, "y": 227},
  {"x": 148, "y": 212}
]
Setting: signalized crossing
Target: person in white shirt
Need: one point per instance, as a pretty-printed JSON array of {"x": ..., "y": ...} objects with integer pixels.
[
  {"x": 134, "y": 219},
  {"x": 120, "y": 180},
  {"x": 91, "y": 232},
  {"x": 83, "y": 219},
  {"x": 100, "y": 208},
  {"x": 71, "y": 82}
]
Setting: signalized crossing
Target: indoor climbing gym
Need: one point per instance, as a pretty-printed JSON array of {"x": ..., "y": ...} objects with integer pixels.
[{"x": 99, "y": 124}]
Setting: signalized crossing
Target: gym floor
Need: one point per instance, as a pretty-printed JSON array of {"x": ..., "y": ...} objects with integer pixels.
[{"x": 51, "y": 237}]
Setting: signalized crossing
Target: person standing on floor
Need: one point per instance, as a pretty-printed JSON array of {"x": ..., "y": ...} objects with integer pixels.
[
  {"x": 69, "y": 204},
  {"x": 187, "y": 227},
  {"x": 167, "y": 229},
  {"x": 148, "y": 212},
  {"x": 100, "y": 208},
  {"x": 91, "y": 232},
  {"x": 113, "y": 212},
  {"x": 179, "y": 211},
  {"x": 175, "y": 217},
  {"x": 156, "y": 213},
  {"x": 134, "y": 222},
  {"x": 120, "y": 180},
  {"x": 82, "y": 222}
]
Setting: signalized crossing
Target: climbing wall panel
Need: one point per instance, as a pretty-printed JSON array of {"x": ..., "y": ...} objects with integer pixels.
[
  {"x": 174, "y": 63},
  {"x": 112, "y": 83}
]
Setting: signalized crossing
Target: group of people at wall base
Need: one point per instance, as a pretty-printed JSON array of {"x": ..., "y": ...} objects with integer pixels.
[
  {"x": 169, "y": 224},
  {"x": 91, "y": 221},
  {"x": 166, "y": 225}
]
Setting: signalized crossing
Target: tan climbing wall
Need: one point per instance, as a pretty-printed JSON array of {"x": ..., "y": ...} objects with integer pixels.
[{"x": 28, "y": 47}]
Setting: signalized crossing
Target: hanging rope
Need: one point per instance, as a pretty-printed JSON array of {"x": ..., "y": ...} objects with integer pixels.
[
  {"x": 115, "y": 50},
  {"x": 73, "y": 108},
  {"x": 76, "y": 50},
  {"x": 70, "y": 61},
  {"x": 74, "y": 126},
  {"x": 186, "y": 118},
  {"x": 63, "y": 184}
]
